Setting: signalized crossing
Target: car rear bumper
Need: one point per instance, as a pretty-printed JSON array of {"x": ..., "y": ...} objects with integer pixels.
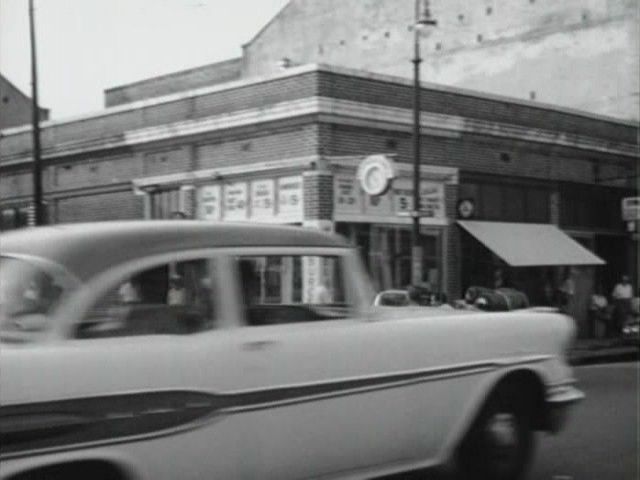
[{"x": 558, "y": 401}]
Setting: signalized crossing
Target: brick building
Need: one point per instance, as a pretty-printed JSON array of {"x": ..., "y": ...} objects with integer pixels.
[
  {"x": 286, "y": 147},
  {"x": 575, "y": 53},
  {"x": 15, "y": 106}
]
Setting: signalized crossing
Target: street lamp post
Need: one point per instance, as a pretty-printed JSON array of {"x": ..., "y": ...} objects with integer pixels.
[
  {"x": 422, "y": 19},
  {"x": 38, "y": 206}
]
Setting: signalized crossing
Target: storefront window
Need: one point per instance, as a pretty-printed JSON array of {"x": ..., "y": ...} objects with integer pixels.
[
  {"x": 590, "y": 206},
  {"x": 386, "y": 251},
  {"x": 165, "y": 203},
  {"x": 292, "y": 279},
  {"x": 510, "y": 202}
]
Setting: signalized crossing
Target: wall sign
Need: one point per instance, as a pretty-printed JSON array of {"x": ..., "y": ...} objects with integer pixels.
[
  {"x": 263, "y": 199},
  {"x": 235, "y": 201},
  {"x": 375, "y": 174},
  {"x": 290, "y": 198},
  {"x": 630, "y": 209},
  {"x": 378, "y": 205},
  {"x": 431, "y": 198},
  {"x": 347, "y": 196},
  {"x": 209, "y": 202}
]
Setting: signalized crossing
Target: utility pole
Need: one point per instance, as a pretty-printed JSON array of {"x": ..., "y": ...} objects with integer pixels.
[
  {"x": 38, "y": 205},
  {"x": 422, "y": 19}
]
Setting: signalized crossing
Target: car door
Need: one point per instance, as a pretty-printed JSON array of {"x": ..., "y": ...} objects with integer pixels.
[
  {"x": 331, "y": 395},
  {"x": 137, "y": 382}
]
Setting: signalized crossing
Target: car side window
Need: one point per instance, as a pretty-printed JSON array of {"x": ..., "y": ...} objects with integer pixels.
[
  {"x": 169, "y": 299},
  {"x": 292, "y": 289}
]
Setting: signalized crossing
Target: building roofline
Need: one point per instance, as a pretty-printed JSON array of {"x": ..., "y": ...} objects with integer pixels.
[
  {"x": 338, "y": 111},
  {"x": 473, "y": 93},
  {"x": 266, "y": 25},
  {"x": 172, "y": 97},
  {"x": 40, "y": 107},
  {"x": 14, "y": 86},
  {"x": 314, "y": 67},
  {"x": 172, "y": 74}
]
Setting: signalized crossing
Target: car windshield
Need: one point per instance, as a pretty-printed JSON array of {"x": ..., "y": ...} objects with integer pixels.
[{"x": 29, "y": 292}]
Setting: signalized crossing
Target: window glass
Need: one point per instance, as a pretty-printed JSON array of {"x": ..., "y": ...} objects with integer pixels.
[
  {"x": 173, "y": 298},
  {"x": 513, "y": 200},
  {"x": 537, "y": 205},
  {"x": 492, "y": 202},
  {"x": 292, "y": 288},
  {"x": 29, "y": 293}
]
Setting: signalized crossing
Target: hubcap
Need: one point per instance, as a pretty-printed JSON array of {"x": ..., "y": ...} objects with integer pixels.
[
  {"x": 501, "y": 434},
  {"x": 502, "y": 430}
]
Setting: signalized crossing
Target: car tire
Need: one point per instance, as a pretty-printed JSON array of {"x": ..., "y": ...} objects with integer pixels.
[{"x": 500, "y": 443}]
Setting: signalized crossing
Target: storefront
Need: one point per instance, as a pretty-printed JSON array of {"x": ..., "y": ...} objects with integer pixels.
[
  {"x": 531, "y": 257},
  {"x": 380, "y": 225},
  {"x": 288, "y": 192}
]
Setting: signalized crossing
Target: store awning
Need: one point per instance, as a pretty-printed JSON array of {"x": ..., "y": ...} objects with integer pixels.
[{"x": 530, "y": 244}]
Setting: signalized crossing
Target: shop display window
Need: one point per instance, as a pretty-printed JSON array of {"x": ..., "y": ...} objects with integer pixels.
[{"x": 386, "y": 251}]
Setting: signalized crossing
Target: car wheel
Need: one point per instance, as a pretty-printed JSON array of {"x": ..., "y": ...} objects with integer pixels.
[{"x": 500, "y": 442}]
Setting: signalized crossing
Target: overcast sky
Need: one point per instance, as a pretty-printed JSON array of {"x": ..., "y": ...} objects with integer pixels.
[{"x": 86, "y": 46}]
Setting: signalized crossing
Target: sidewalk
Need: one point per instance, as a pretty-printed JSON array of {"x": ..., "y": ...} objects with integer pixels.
[{"x": 603, "y": 350}]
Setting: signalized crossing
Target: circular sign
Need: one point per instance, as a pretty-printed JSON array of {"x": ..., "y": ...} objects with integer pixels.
[
  {"x": 375, "y": 174},
  {"x": 466, "y": 208}
]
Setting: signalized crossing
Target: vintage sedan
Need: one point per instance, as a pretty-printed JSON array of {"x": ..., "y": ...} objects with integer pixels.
[{"x": 185, "y": 349}]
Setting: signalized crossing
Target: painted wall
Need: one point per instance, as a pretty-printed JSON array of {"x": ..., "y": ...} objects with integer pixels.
[{"x": 583, "y": 54}]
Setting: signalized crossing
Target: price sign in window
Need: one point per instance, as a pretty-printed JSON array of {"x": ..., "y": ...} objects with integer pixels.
[{"x": 290, "y": 197}]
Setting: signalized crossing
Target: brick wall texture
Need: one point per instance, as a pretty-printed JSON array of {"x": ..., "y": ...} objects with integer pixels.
[
  {"x": 182, "y": 81},
  {"x": 318, "y": 196},
  {"x": 265, "y": 145},
  {"x": 104, "y": 167},
  {"x": 120, "y": 205}
]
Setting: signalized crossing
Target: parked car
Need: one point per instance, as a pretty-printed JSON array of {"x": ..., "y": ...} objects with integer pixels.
[
  {"x": 631, "y": 328},
  {"x": 185, "y": 349},
  {"x": 392, "y": 298},
  {"x": 420, "y": 294},
  {"x": 496, "y": 300}
]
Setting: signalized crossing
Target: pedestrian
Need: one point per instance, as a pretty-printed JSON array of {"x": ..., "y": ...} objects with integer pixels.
[
  {"x": 566, "y": 291},
  {"x": 177, "y": 294},
  {"x": 621, "y": 298},
  {"x": 599, "y": 313},
  {"x": 321, "y": 294}
]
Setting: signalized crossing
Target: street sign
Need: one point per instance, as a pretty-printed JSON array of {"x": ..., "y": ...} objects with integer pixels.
[{"x": 631, "y": 209}]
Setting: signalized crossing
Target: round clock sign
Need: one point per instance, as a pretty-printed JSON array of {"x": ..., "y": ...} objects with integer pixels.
[
  {"x": 375, "y": 174},
  {"x": 466, "y": 208}
]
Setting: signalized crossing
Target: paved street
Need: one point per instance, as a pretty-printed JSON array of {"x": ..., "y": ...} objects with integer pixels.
[{"x": 601, "y": 440}]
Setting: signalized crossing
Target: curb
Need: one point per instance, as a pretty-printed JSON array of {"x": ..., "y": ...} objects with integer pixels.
[{"x": 606, "y": 355}]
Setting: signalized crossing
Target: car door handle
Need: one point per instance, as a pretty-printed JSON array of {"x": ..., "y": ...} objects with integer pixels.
[{"x": 258, "y": 344}]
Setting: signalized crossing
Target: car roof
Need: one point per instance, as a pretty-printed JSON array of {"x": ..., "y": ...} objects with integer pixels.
[{"x": 85, "y": 249}]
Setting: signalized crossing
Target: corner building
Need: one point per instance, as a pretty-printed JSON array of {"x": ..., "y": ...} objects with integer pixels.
[{"x": 285, "y": 148}]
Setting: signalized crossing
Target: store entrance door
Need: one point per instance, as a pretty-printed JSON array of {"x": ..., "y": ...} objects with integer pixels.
[{"x": 386, "y": 250}]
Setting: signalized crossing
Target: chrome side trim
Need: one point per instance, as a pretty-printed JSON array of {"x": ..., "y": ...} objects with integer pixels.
[{"x": 138, "y": 416}]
